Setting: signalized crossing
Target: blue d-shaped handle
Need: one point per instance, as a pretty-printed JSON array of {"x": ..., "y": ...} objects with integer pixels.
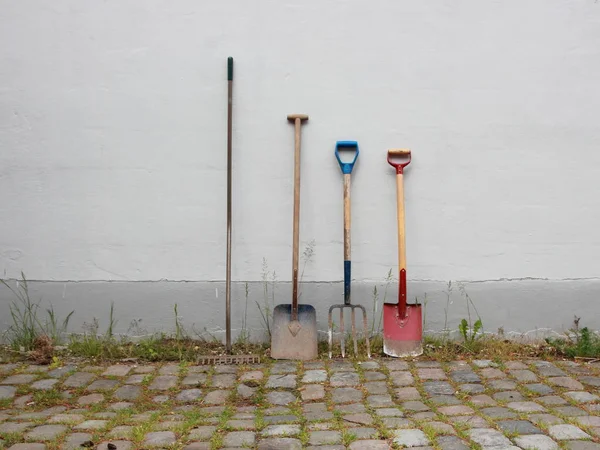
[{"x": 346, "y": 166}]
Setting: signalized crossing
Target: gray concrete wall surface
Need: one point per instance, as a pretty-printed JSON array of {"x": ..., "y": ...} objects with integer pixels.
[{"x": 113, "y": 152}]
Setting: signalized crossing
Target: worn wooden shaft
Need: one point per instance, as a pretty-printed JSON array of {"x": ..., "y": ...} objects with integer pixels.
[{"x": 296, "y": 236}]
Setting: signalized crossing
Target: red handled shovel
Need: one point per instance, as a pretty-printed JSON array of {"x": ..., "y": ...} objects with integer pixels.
[{"x": 402, "y": 323}]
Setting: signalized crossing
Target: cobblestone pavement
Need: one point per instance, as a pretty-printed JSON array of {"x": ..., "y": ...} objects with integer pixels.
[{"x": 333, "y": 404}]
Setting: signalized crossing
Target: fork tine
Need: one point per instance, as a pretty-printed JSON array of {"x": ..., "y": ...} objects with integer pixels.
[
  {"x": 354, "y": 332},
  {"x": 342, "y": 342},
  {"x": 330, "y": 331}
]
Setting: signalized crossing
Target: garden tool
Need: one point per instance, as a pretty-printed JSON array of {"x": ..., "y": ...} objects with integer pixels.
[
  {"x": 294, "y": 331},
  {"x": 402, "y": 323},
  {"x": 228, "y": 270},
  {"x": 350, "y": 147}
]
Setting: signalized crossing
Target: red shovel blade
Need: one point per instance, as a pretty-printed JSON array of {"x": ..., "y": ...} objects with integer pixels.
[{"x": 402, "y": 337}]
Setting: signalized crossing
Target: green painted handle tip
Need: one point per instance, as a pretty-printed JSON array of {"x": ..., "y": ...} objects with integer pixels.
[{"x": 230, "y": 68}]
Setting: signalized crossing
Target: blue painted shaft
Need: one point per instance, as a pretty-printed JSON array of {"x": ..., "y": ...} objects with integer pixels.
[{"x": 347, "y": 278}]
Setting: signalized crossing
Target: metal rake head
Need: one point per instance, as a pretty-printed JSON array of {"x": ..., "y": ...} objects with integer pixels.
[{"x": 353, "y": 319}]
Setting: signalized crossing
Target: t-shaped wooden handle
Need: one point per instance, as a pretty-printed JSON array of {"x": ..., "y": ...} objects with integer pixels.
[{"x": 293, "y": 117}]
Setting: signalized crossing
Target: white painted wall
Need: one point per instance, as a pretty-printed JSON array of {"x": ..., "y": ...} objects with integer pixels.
[{"x": 113, "y": 136}]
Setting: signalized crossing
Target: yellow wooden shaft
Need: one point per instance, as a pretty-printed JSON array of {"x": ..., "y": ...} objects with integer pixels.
[{"x": 401, "y": 234}]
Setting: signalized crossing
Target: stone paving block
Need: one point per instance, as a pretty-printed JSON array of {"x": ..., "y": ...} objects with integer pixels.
[
  {"x": 241, "y": 424},
  {"x": 59, "y": 372},
  {"x": 515, "y": 365},
  {"x": 79, "y": 379},
  {"x": 518, "y": 427},
  {"x": 163, "y": 383},
  {"x": 440, "y": 428},
  {"x": 194, "y": 379},
  {"x": 483, "y": 400},
  {"x": 7, "y": 392},
  {"x": 369, "y": 444},
  {"x": 121, "y": 432},
  {"x": 465, "y": 376},
  {"x": 376, "y": 387},
  {"x": 67, "y": 418},
  {"x": 137, "y": 378},
  {"x": 581, "y": 445},
  {"x": 73, "y": 441},
  {"x": 427, "y": 364},
  {"x": 488, "y": 437},
  {"x": 438, "y": 388},
  {"x": 553, "y": 400},
  {"x": 169, "y": 369},
  {"x": 482, "y": 363},
  {"x": 246, "y": 391},
  {"x": 539, "y": 388},
  {"x": 496, "y": 412},
  {"x": 30, "y": 446},
  {"x": 407, "y": 393},
  {"x": 470, "y": 421},
  {"x": 492, "y": 373},
  {"x": 451, "y": 443},
  {"x": 389, "y": 412},
  {"x": 92, "y": 425},
  {"x": 225, "y": 369},
  {"x": 379, "y": 401},
  {"x": 396, "y": 365},
  {"x": 363, "y": 432},
  {"x": 324, "y": 437},
  {"x": 102, "y": 384},
  {"x": 189, "y": 395},
  {"x": 239, "y": 439},
  {"x": 431, "y": 374},
  {"x": 90, "y": 399},
  {"x": 374, "y": 376},
  {"x": 280, "y": 397},
  {"x": 471, "y": 388},
  {"x": 547, "y": 369},
  {"x": 502, "y": 385},
  {"x": 217, "y": 397},
  {"x": 588, "y": 421},
  {"x": 128, "y": 392},
  {"x": 402, "y": 378},
  {"x": 567, "y": 432},
  {"x": 444, "y": 400},
  {"x": 281, "y": 430},
  {"x": 508, "y": 396},
  {"x": 415, "y": 406},
  {"x": 566, "y": 382},
  {"x": 346, "y": 395},
  {"x": 160, "y": 399},
  {"x": 6, "y": 368},
  {"x": 254, "y": 375},
  {"x": 314, "y": 376},
  {"x": 202, "y": 433},
  {"x": 358, "y": 419},
  {"x": 410, "y": 438},
  {"x": 344, "y": 379},
  {"x": 198, "y": 369},
  {"x": 536, "y": 442},
  {"x": 397, "y": 422},
  {"x": 312, "y": 392},
  {"x": 424, "y": 415},
  {"x": 19, "y": 379},
  {"x": 582, "y": 396},
  {"x": 545, "y": 419},
  {"x": 45, "y": 432},
  {"x": 224, "y": 380},
  {"x": 284, "y": 367},
  {"x": 281, "y": 381},
  {"x": 590, "y": 381},
  {"x": 524, "y": 376},
  {"x": 280, "y": 444},
  {"x": 526, "y": 407},
  {"x": 570, "y": 411},
  {"x": 289, "y": 418},
  {"x": 44, "y": 385},
  {"x": 456, "y": 410},
  {"x": 117, "y": 370},
  {"x": 12, "y": 427},
  {"x": 159, "y": 438}
]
